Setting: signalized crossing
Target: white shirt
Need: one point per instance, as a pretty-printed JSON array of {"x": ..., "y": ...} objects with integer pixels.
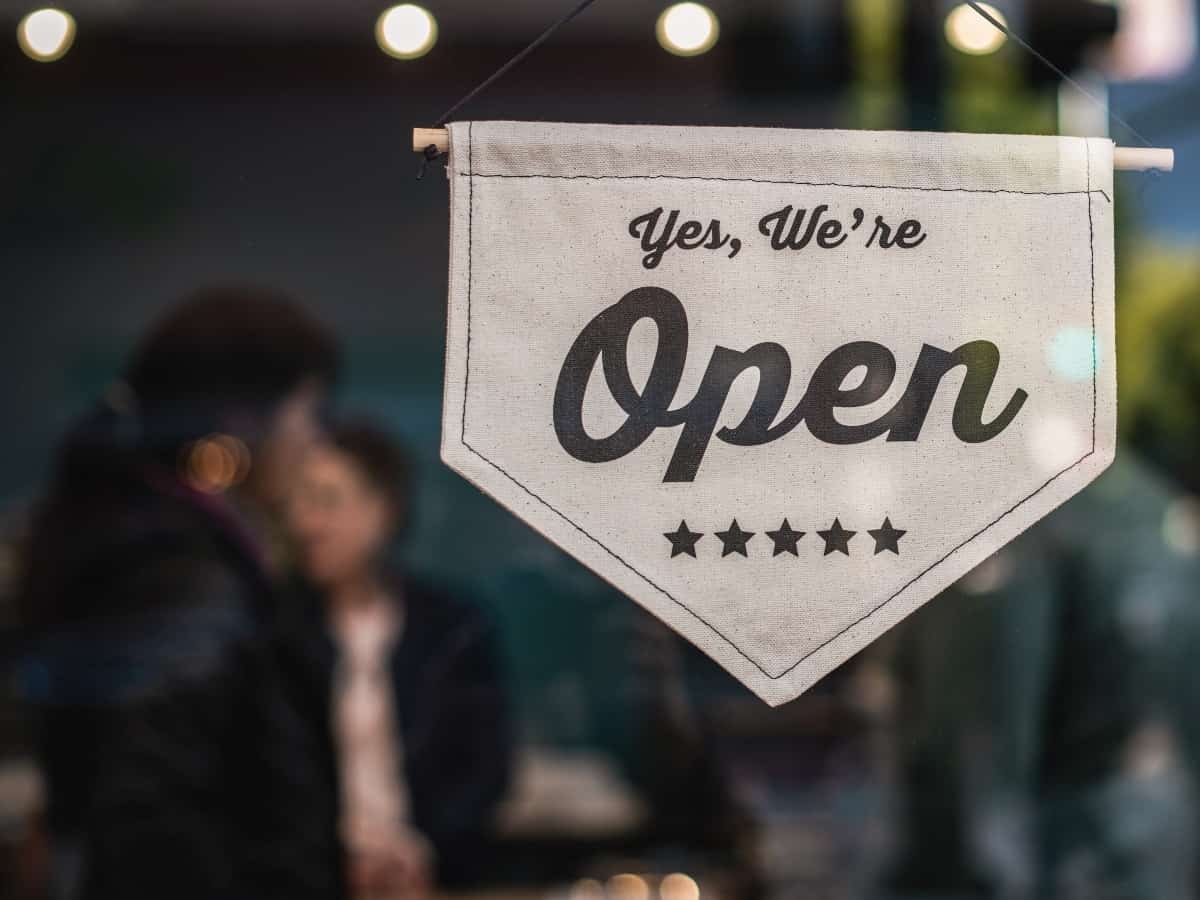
[{"x": 375, "y": 804}]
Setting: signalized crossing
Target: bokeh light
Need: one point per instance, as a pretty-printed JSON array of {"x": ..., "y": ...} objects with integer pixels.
[
  {"x": 216, "y": 463},
  {"x": 678, "y": 886},
  {"x": 969, "y": 32},
  {"x": 687, "y": 29},
  {"x": 1181, "y": 526},
  {"x": 1073, "y": 353},
  {"x": 406, "y": 31},
  {"x": 990, "y": 575},
  {"x": 586, "y": 889},
  {"x": 627, "y": 886},
  {"x": 1056, "y": 442},
  {"x": 46, "y": 34}
]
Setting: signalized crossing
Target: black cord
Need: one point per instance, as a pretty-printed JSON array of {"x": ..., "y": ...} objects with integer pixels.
[
  {"x": 1008, "y": 32},
  {"x": 504, "y": 69},
  {"x": 430, "y": 153}
]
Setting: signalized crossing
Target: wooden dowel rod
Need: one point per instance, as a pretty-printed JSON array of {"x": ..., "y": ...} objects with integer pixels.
[
  {"x": 423, "y": 137},
  {"x": 1143, "y": 159},
  {"x": 1125, "y": 159}
]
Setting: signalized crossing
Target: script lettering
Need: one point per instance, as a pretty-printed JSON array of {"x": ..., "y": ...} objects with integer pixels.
[{"x": 604, "y": 341}]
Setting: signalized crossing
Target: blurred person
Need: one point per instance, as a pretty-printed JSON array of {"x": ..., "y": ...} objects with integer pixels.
[
  {"x": 1049, "y": 723},
  {"x": 1047, "y": 709},
  {"x": 405, "y": 681},
  {"x": 175, "y": 760},
  {"x": 675, "y": 760}
]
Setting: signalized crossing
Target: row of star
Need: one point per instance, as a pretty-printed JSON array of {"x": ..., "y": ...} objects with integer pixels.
[{"x": 785, "y": 538}]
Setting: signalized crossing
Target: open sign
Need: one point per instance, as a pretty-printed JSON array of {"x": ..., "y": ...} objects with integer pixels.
[{"x": 779, "y": 387}]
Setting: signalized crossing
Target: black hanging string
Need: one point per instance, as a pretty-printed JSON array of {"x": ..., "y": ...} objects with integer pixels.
[
  {"x": 1016, "y": 38},
  {"x": 430, "y": 153}
]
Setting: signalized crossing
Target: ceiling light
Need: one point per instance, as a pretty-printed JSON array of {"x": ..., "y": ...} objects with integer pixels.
[
  {"x": 971, "y": 33},
  {"x": 46, "y": 34},
  {"x": 406, "y": 31},
  {"x": 687, "y": 29}
]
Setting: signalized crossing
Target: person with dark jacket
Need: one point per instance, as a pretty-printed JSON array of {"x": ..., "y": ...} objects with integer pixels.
[
  {"x": 1046, "y": 727},
  {"x": 403, "y": 681},
  {"x": 176, "y": 761}
]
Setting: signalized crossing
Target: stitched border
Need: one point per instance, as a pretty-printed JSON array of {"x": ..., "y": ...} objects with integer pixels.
[
  {"x": 470, "y": 256},
  {"x": 1087, "y": 151},
  {"x": 880, "y": 187},
  {"x": 471, "y": 175}
]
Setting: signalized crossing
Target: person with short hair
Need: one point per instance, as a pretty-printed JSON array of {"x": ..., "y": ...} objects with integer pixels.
[
  {"x": 404, "y": 680},
  {"x": 176, "y": 761}
]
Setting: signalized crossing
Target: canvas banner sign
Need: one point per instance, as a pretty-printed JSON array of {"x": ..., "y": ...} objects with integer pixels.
[{"x": 779, "y": 387}]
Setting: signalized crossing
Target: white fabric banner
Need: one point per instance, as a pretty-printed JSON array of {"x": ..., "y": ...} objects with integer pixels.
[{"x": 780, "y": 387}]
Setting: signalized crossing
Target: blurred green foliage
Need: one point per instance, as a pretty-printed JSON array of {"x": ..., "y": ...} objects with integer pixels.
[
  {"x": 1158, "y": 354},
  {"x": 875, "y": 97},
  {"x": 990, "y": 95}
]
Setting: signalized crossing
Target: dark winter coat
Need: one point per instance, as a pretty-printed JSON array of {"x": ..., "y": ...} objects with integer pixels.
[
  {"x": 452, "y": 711},
  {"x": 176, "y": 762}
]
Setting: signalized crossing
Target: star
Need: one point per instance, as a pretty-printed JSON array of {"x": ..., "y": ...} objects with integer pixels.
[
  {"x": 734, "y": 539},
  {"x": 785, "y": 539},
  {"x": 887, "y": 537},
  {"x": 837, "y": 538},
  {"x": 682, "y": 540}
]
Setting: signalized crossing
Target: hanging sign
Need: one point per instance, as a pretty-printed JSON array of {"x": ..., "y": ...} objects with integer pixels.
[{"x": 779, "y": 387}]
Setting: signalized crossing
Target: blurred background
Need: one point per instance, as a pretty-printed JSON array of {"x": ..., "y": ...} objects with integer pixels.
[{"x": 1033, "y": 732}]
